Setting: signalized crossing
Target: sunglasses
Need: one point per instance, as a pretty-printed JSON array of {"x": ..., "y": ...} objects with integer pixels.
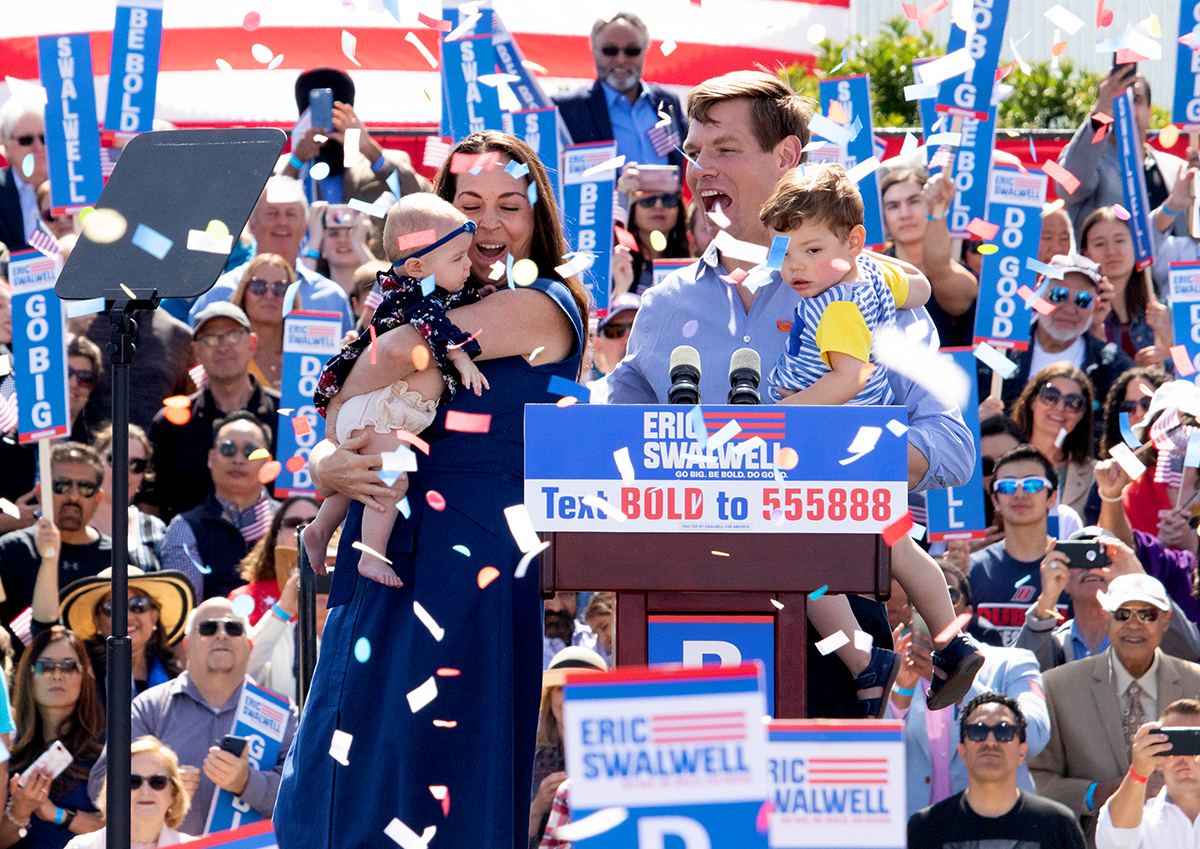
[
  {"x": 977, "y": 732},
  {"x": 208, "y": 627},
  {"x": 229, "y": 448},
  {"x": 137, "y": 465},
  {"x": 137, "y": 604},
  {"x": 86, "y": 488},
  {"x": 631, "y": 52},
  {"x": 1146, "y": 614},
  {"x": 1058, "y": 294},
  {"x": 156, "y": 782},
  {"x": 1142, "y": 403},
  {"x": 1072, "y": 402},
  {"x": 45, "y": 667},
  {"x": 259, "y": 287},
  {"x": 670, "y": 201},
  {"x": 955, "y": 594},
  {"x": 1008, "y": 486},
  {"x": 233, "y": 337},
  {"x": 26, "y": 141},
  {"x": 82, "y": 376},
  {"x": 615, "y": 331},
  {"x": 294, "y": 522},
  {"x": 48, "y": 216}
]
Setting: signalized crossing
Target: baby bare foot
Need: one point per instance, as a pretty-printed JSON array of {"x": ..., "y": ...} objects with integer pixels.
[
  {"x": 378, "y": 571},
  {"x": 315, "y": 546}
]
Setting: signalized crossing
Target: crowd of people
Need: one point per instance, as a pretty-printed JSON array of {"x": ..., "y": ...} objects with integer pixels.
[{"x": 1042, "y": 717}]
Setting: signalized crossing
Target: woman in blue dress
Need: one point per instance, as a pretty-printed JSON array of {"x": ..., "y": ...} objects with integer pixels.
[{"x": 464, "y": 761}]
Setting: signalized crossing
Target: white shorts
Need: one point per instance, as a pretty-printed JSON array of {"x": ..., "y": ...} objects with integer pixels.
[{"x": 394, "y": 407}]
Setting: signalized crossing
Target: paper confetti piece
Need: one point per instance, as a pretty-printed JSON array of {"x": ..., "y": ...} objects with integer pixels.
[
  {"x": 339, "y": 747},
  {"x": 863, "y": 443},
  {"x": 603, "y": 820},
  {"x": 269, "y": 472},
  {"x": 658, "y": 241},
  {"x": 462, "y": 549},
  {"x": 89, "y": 307},
  {"x": 27, "y": 165},
  {"x": 1063, "y": 19},
  {"x": 952, "y": 139},
  {"x": 536, "y": 351},
  {"x": 1129, "y": 436},
  {"x": 562, "y": 386},
  {"x": 1168, "y": 136},
  {"x": 959, "y": 623},
  {"x": 819, "y": 125},
  {"x": 259, "y": 454},
  {"x": 720, "y": 218},
  {"x": 319, "y": 171},
  {"x": 815, "y": 594},
  {"x": 102, "y": 226},
  {"x": 576, "y": 264},
  {"x": 178, "y": 416},
  {"x": 275, "y": 63},
  {"x": 624, "y": 464},
  {"x": 523, "y": 566},
  {"x": 423, "y": 695},
  {"x": 362, "y": 650},
  {"x": 1183, "y": 362},
  {"x": 929, "y": 11},
  {"x": 349, "y": 43},
  {"x": 368, "y": 550},
  {"x": 951, "y": 65},
  {"x": 416, "y": 240},
  {"x": 995, "y": 360},
  {"x": 784, "y": 325},
  {"x": 737, "y": 249},
  {"x": 981, "y": 229},
  {"x": 566, "y": 401},
  {"x": 720, "y": 554},
  {"x": 9, "y": 509},
  {"x": 896, "y": 427},
  {"x": 429, "y": 622},
  {"x": 464, "y": 28},
  {"x": 910, "y": 11},
  {"x": 243, "y": 606},
  {"x": 668, "y": 47},
  {"x": 608, "y": 165},
  {"x": 1121, "y": 212},
  {"x": 486, "y": 575},
  {"x": 200, "y": 240},
  {"x": 521, "y": 527},
  {"x": 1192, "y": 457},
  {"x": 1061, "y": 175},
  {"x": 920, "y": 91},
  {"x": 832, "y": 643},
  {"x": 987, "y": 250},
  {"x": 295, "y": 463},
  {"x": 442, "y": 793},
  {"x": 727, "y": 432},
  {"x": 411, "y": 38},
  {"x": 787, "y": 459},
  {"x": 435, "y": 500},
  {"x": 468, "y": 422},
  {"x": 402, "y": 834},
  {"x": 1059, "y": 48},
  {"x": 1104, "y": 17},
  {"x": 1024, "y": 580},
  {"x": 301, "y": 426},
  {"x": 151, "y": 241},
  {"x": 897, "y": 529},
  {"x": 262, "y": 53},
  {"x": 525, "y": 271},
  {"x": 600, "y": 505},
  {"x": 776, "y": 602},
  {"x": 689, "y": 328},
  {"x": 434, "y": 23}
]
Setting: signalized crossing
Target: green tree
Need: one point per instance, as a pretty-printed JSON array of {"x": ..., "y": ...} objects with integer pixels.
[{"x": 1042, "y": 99}]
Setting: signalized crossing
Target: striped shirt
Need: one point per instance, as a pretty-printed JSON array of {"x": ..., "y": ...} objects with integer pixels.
[{"x": 843, "y": 318}]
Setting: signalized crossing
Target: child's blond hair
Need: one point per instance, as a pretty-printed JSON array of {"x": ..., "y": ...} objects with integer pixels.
[
  {"x": 823, "y": 193},
  {"x": 413, "y": 214}
]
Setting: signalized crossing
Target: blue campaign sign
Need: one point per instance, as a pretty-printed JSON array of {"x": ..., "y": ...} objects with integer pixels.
[
  {"x": 713, "y": 640},
  {"x": 1133, "y": 178},
  {"x": 837, "y": 783},
  {"x": 970, "y": 94},
  {"x": 957, "y": 511},
  {"x": 473, "y": 105},
  {"x": 538, "y": 128},
  {"x": 262, "y": 719},
  {"x": 1186, "y": 110},
  {"x": 588, "y": 212},
  {"x": 260, "y": 835},
  {"x": 1015, "y": 203},
  {"x": 72, "y": 131},
  {"x": 853, "y": 95},
  {"x": 972, "y": 172},
  {"x": 1185, "y": 307},
  {"x": 40, "y": 366},
  {"x": 684, "y": 750},
  {"x": 457, "y": 15},
  {"x": 133, "y": 67},
  {"x": 309, "y": 340},
  {"x": 647, "y": 463}
]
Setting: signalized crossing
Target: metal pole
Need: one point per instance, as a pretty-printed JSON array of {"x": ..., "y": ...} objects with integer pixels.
[
  {"x": 119, "y": 647},
  {"x": 307, "y": 626}
]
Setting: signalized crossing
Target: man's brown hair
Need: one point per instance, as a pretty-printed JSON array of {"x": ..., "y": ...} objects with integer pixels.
[
  {"x": 824, "y": 194},
  {"x": 775, "y": 110},
  {"x": 1183, "y": 707}
]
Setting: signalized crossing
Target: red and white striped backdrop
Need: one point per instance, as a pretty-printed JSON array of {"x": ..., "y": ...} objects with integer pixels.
[{"x": 392, "y": 82}]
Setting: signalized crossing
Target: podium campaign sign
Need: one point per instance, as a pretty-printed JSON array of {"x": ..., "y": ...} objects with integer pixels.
[
  {"x": 714, "y": 469},
  {"x": 309, "y": 340},
  {"x": 683, "y": 750},
  {"x": 837, "y": 784},
  {"x": 40, "y": 355}
]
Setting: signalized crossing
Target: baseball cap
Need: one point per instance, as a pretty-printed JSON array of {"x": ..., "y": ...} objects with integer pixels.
[
  {"x": 220, "y": 309},
  {"x": 1074, "y": 263},
  {"x": 1129, "y": 588},
  {"x": 624, "y": 302}
]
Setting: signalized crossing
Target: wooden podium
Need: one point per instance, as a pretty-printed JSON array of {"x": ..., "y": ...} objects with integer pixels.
[{"x": 654, "y": 573}]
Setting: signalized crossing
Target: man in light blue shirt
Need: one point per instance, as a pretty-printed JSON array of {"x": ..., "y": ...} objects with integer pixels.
[{"x": 278, "y": 225}]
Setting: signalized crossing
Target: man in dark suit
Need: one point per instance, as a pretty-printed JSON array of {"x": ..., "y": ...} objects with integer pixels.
[
  {"x": 618, "y": 105},
  {"x": 22, "y": 134}
]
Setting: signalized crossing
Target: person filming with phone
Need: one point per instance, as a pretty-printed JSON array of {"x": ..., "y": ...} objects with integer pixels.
[
  {"x": 1134, "y": 817},
  {"x": 190, "y": 712}
]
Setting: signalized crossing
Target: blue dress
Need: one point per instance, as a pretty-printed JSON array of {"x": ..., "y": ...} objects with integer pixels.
[{"x": 493, "y": 637}]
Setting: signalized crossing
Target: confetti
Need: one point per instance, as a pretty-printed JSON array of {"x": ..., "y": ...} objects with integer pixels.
[
  {"x": 837, "y": 114},
  {"x": 442, "y": 793},
  {"x": 339, "y": 747},
  {"x": 689, "y": 328},
  {"x": 27, "y": 165},
  {"x": 464, "y": 28},
  {"x": 178, "y": 415},
  {"x": 1063, "y": 19},
  {"x": 1061, "y": 175},
  {"x": 1051, "y": 208},
  {"x": 778, "y": 604},
  {"x": 1168, "y": 136},
  {"x": 737, "y": 249},
  {"x": 816, "y": 34},
  {"x": 259, "y": 454},
  {"x": 275, "y": 63},
  {"x": 523, "y": 566},
  {"x": 839, "y": 264},
  {"x": 1063, "y": 433},
  {"x": 1104, "y": 17},
  {"x": 445, "y": 723},
  {"x": 1131, "y": 464},
  {"x": 577, "y": 263},
  {"x": 720, "y": 553},
  {"x": 295, "y": 463},
  {"x": 910, "y": 11},
  {"x": 832, "y": 643},
  {"x": 863, "y": 169},
  {"x": 252, "y": 21},
  {"x": 817, "y": 593},
  {"x": 863, "y": 443},
  {"x": 269, "y": 472},
  {"x": 9, "y": 509},
  {"x": 787, "y": 458},
  {"x": 411, "y": 38},
  {"x": 951, "y": 65},
  {"x": 1183, "y": 362},
  {"x": 525, "y": 271},
  {"x": 952, "y": 139},
  {"x": 959, "y": 623},
  {"x": 319, "y": 171},
  {"x": 658, "y": 241},
  {"x": 177, "y": 401},
  {"x": 429, "y": 622},
  {"x": 419, "y": 239},
  {"x": 434, "y": 23},
  {"x": 1025, "y": 580},
  {"x": 486, "y": 575},
  {"x": 91, "y": 306},
  {"x": 448, "y": 672},
  {"x": 602, "y": 167},
  {"x": 206, "y": 570},
  {"x": 603, "y": 820},
  {"x": 995, "y": 360},
  {"x": 562, "y": 386},
  {"x": 468, "y": 422},
  {"x": 537, "y": 350},
  {"x": 1001, "y": 73},
  {"x": 402, "y": 834},
  {"x": 784, "y": 325},
  {"x": 498, "y": 268},
  {"x": 435, "y": 500},
  {"x": 897, "y": 529},
  {"x": 1121, "y": 212},
  {"x": 668, "y": 47},
  {"x": 462, "y": 549},
  {"x": 987, "y": 250},
  {"x": 981, "y": 229},
  {"x": 601, "y": 505},
  {"x": 929, "y": 11},
  {"x": 624, "y": 464},
  {"x": 102, "y": 225},
  {"x": 897, "y": 427},
  {"x": 365, "y": 549},
  {"x": 423, "y": 695},
  {"x": 720, "y": 218},
  {"x": 521, "y": 527},
  {"x": 420, "y": 358},
  {"x": 920, "y": 91},
  {"x": 262, "y": 53},
  {"x": 567, "y": 401},
  {"x": 1129, "y": 436},
  {"x": 727, "y": 432},
  {"x": 243, "y": 606},
  {"x": 362, "y": 650},
  {"x": 1059, "y": 48}
]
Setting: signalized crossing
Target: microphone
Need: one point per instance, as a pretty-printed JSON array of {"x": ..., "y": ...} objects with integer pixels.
[
  {"x": 745, "y": 371},
  {"x": 685, "y": 376}
]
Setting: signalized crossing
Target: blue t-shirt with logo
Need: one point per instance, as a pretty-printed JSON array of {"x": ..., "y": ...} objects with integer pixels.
[{"x": 1002, "y": 588}]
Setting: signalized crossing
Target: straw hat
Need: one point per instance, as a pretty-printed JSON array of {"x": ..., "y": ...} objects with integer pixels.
[
  {"x": 170, "y": 589},
  {"x": 571, "y": 659}
]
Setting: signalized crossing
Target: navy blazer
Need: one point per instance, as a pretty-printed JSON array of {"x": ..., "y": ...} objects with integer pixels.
[
  {"x": 585, "y": 112},
  {"x": 12, "y": 222}
]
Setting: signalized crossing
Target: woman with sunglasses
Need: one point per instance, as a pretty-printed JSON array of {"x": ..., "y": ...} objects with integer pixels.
[
  {"x": 656, "y": 221},
  {"x": 55, "y": 699},
  {"x": 1139, "y": 323},
  {"x": 84, "y": 364},
  {"x": 1055, "y": 413},
  {"x": 260, "y": 293},
  {"x": 145, "y": 531},
  {"x": 260, "y": 567},
  {"x": 158, "y": 800}
]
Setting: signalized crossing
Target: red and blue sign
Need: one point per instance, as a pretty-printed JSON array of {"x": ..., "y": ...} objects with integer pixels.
[
  {"x": 970, "y": 94},
  {"x": 474, "y": 106},
  {"x": 1186, "y": 110},
  {"x": 853, "y": 95},
  {"x": 538, "y": 128},
  {"x": 40, "y": 367},
  {"x": 309, "y": 340},
  {"x": 261, "y": 835},
  {"x": 588, "y": 213}
]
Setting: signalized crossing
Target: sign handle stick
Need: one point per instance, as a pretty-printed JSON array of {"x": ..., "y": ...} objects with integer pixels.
[
  {"x": 997, "y": 380},
  {"x": 46, "y": 486}
]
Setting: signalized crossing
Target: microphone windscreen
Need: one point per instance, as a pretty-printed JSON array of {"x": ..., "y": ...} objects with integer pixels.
[
  {"x": 745, "y": 358},
  {"x": 685, "y": 355}
]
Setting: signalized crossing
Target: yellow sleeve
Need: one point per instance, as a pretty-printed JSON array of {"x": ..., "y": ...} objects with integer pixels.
[
  {"x": 896, "y": 282},
  {"x": 842, "y": 328}
]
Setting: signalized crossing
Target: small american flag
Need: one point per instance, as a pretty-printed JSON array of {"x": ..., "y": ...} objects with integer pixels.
[
  {"x": 262, "y": 520},
  {"x": 665, "y": 139},
  {"x": 943, "y": 158},
  {"x": 22, "y": 626},
  {"x": 436, "y": 152},
  {"x": 108, "y": 160},
  {"x": 374, "y": 299},
  {"x": 44, "y": 241},
  {"x": 199, "y": 376},
  {"x": 8, "y": 407}
]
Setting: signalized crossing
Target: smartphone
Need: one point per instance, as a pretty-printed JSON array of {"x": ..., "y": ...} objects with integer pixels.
[
  {"x": 324, "y": 583},
  {"x": 340, "y": 215},
  {"x": 658, "y": 178},
  {"x": 1083, "y": 554},
  {"x": 1184, "y": 741},
  {"x": 1120, "y": 67},
  {"x": 320, "y": 102},
  {"x": 234, "y": 745},
  {"x": 56, "y": 759}
]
